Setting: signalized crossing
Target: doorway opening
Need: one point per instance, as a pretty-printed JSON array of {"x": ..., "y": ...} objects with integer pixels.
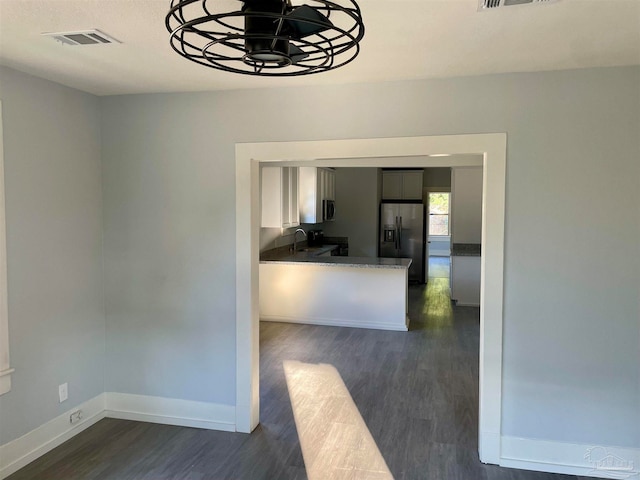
[
  {"x": 488, "y": 150},
  {"x": 438, "y": 258},
  {"x": 439, "y": 212}
]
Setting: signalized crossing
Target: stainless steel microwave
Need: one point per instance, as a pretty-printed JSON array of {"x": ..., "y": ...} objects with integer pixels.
[{"x": 328, "y": 210}]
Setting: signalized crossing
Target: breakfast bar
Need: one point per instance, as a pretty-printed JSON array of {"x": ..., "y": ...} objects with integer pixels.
[{"x": 357, "y": 292}]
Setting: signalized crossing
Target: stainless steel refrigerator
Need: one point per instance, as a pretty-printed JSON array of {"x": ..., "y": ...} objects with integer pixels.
[{"x": 403, "y": 235}]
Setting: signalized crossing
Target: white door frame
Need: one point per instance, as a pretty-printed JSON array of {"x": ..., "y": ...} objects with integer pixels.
[
  {"x": 5, "y": 369},
  {"x": 376, "y": 152}
]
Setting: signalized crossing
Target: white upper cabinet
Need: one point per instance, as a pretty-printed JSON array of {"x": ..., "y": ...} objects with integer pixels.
[
  {"x": 316, "y": 184},
  {"x": 279, "y": 194},
  {"x": 328, "y": 181},
  {"x": 412, "y": 185},
  {"x": 391, "y": 185},
  {"x": 402, "y": 184}
]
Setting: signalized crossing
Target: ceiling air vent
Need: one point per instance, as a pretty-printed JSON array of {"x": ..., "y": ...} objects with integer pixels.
[
  {"x": 491, "y": 4},
  {"x": 82, "y": 37}
]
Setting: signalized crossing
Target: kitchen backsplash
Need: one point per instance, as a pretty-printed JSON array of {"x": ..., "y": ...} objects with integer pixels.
[{"x": 271, "y": 238}]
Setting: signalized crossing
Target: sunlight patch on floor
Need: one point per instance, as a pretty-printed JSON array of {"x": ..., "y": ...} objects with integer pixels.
[
  {"x": 335, "y": 441},
  {"x": 437, "y": 308}
]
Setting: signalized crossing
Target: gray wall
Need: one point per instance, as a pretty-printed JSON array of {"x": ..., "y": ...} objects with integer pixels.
[
  {"x": 279, "y": 237},
  {"x": 169, "y": 226},
  {"x": 466, "y": 205},
  {"x": 54, "y": 249},
  {"x": 356, "y": 210},
  {"x": 437, "y": 177},
  {"x": 571, "y": 335},
  {"x": 571, "y": 344}
]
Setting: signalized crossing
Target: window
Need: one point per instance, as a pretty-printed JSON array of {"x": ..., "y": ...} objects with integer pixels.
[{"x": 439, "y": 213}]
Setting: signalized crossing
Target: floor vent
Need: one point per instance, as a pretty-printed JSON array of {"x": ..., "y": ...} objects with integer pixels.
[
  {"x": 491, "y": 4},
  {"x": 82, "y": 37}
]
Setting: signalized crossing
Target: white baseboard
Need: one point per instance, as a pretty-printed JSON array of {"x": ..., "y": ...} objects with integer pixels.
[
  {"x": 21, "y": 451},
  {"x": 512, "y": 452},
  {"x": 466, "y": 304},
  {"x": 333, "y": 322},
  {"x": 170, "y": 411},
  {"x": 5, "y": 380},
  {"x": 570, "y": 459},
  {"x": 489, "y": 447}
]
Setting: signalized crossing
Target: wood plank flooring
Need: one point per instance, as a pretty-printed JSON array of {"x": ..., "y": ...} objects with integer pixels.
[{"x": 416, "y": 391}]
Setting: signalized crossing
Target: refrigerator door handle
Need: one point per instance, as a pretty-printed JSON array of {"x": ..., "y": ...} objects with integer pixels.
[
  {"x": 395, "y": 237},
  {"x": 400, "y": 234}
]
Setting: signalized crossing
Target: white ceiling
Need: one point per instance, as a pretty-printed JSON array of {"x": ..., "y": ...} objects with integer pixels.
[{"x": 404, "y": 39}]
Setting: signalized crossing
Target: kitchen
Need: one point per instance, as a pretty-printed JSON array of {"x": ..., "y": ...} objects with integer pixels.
[{"x": 294, "y": 287}]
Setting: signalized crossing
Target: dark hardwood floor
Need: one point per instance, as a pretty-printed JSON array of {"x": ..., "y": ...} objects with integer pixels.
[{"x": 417, "y": 393}]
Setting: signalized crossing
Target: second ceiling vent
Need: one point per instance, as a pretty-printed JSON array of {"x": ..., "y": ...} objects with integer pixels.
[
  {"x": 82, "y": 37},
  {"x": 491, "y": 4}
]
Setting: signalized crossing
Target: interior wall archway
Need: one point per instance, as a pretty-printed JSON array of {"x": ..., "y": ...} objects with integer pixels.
[{"x": 488, "y": 150}]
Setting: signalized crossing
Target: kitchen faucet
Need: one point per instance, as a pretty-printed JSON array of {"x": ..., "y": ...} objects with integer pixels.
[{"x": 295, "y": 244}]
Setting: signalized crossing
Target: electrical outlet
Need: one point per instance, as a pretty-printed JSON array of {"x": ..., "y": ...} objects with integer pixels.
[
  {"x": 75, "y": 417},
  {"x": 63, "y": 392}
]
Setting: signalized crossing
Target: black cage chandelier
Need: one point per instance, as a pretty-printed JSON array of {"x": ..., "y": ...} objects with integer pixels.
[{"x": 267, "y": 37}]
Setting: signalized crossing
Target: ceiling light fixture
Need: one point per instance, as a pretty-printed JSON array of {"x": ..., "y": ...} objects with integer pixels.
[{"x": 267, "y": 37}]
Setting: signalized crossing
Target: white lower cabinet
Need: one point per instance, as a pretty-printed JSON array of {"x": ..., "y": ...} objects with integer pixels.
[
  {"x": 360, "y": 297},
  {"x": 279, "y": 195},
  {"x": 465, "y": 280}
]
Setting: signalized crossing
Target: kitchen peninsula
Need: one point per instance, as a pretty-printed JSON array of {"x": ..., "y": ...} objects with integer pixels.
[{"x": 311, "y": 288}]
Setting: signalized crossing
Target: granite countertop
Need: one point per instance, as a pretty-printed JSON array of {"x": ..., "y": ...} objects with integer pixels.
[
  {"x": 306, "y": 254},
  {"x": 466, "y": 250},
  {"x": 358, "y": 262}
]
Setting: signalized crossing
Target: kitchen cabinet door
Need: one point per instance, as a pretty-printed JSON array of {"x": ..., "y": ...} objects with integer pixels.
[
  {"x": 465, "y": 280},
  {"x": 331, "y": 194},
  {"x": 402, "y": 185},
  {"x": 315, "y": 185},
  {"x": 310, "y": 194},
  {"x": 279, "y": 195},
  {"x": 291, "y": 212},
  {"x": 391, "y": 185},
  {"x": 328, "y": 184},
  {"x": 412, "y": 185}
]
